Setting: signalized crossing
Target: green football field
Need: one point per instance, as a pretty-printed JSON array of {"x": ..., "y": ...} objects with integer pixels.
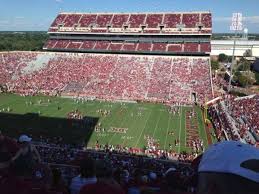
[{"x": 49, "y": 118}]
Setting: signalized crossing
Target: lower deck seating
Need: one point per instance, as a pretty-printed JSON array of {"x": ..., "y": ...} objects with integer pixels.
[
  {"x": 238, "y": 118},
  {"x": 105, "y": 76}
]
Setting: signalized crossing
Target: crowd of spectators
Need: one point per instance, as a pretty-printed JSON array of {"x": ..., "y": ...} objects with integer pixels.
[
  {"x": 29, "y": 169},
  {"x": 40, "y": 167},
  {"x": 237, "y": 118},
  {"x": 220, "y": 85},
  {"x": 112, "y": 77},
  {"x": 54, "y": 150}
]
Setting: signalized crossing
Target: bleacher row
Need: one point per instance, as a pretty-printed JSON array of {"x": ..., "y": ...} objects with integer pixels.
[
  {"x": 237, "y": 118},
  {"x": 99, "y": 45},
  {"x": 192, "y": 22},
  {"x": 111, "y": 77}
]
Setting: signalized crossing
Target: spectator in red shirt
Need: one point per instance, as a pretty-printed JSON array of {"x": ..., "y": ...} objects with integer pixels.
[
  {"x": 58, "y": 184},
  {"x": 101, "y": 187},
  {"x": 8, "y": 148},
  {"x": 20, "y": 180},
  {"x": 8, "y": 145},
  {"x": 173, "y": 183},
  {"x": 105, "y": 182}
]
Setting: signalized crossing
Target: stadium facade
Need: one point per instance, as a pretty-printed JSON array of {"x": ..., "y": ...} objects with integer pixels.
[
  {"x": 226, "y": 47},
  {"x": 149, "y": 33}
]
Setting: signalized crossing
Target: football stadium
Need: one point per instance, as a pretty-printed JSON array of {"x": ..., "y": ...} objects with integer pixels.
[
  {"x": 144, "y": 86},
  {"x": 128, "y": 102}
]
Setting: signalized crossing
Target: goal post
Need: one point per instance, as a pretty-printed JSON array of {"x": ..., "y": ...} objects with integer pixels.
[{"x": 205, "y": 112}]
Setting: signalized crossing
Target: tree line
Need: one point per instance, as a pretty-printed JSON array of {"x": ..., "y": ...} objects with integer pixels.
[
  {"x": 22, "y": 41},
  {"x": 243, "y": 73}
]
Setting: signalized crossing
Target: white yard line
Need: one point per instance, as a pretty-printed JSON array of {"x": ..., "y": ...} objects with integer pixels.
[
  {"x": 203, "y": 126},
  {"x": 99, "y": 106},
  {"x": 167, "y": 131},
  {"x": 184, "y": 116},
  {"x": 134, "y": 122},
  {"x": 156, "y": 125},
  {"x": 180, "y": 131},
  {"x": 143, "y": 129},
  {"x": 120, "y": 126}
]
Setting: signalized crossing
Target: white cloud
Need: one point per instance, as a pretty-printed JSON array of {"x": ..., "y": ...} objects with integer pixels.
[
  {"x": 221, "y": 19},
  {"x": 19, "y": 20},
  {"x": 3, "y": 22},
  {"x": 19, "y": 17},
  {"x": 252, "y": 19},
  {"x": 249, "y": 19}
]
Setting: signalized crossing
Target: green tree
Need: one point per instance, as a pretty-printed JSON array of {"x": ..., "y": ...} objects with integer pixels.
[
  {"x": 244, "y": 78},
  {"x": 244, "y": 65},
  {"x": 214, "y": 65},
  {"x": 257, "y": 78},
  {"x": 223, "y": 57},
  {"x": 26, "y": 41},
  {"x": 229, "y": 59}
]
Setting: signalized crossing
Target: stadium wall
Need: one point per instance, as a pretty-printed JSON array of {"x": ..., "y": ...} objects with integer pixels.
[{"x": 226, "y": 47}]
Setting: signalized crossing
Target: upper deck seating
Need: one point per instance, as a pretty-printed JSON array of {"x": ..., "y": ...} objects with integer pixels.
[
  {"x": 88, "y": 20},
  {"x": 103, "y": 20},
  {"x": 154, "y": 20},
  {"x": 136, "y": 20},
  {"x": 172, "y": 20},
  {"x": 119, "y": 20},
  {"x": 147, "y": 23},
  {"x": 71, "y": 20},
  {"x": 190, "y": 20}
]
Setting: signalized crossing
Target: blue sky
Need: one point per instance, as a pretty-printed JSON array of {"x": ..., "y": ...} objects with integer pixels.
[{"x": 39, "y": 14}]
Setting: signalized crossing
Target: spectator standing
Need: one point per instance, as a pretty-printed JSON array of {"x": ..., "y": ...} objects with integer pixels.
[
  {"x": 58, "y": 185},
  {"x": 86, "y": 177},
  {"x": 27, "y": 156}
]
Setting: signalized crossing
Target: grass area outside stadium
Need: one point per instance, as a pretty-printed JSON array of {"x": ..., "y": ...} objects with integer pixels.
[{"x": 47, "y": 116}]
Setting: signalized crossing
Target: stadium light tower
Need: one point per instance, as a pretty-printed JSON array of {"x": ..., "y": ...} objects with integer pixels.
[
  {"x": 236, "y": 26},
  {"x": 245, "y": 34}
]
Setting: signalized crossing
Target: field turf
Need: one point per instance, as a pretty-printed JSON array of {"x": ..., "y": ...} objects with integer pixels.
[{"x": 141, "y": 119}]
